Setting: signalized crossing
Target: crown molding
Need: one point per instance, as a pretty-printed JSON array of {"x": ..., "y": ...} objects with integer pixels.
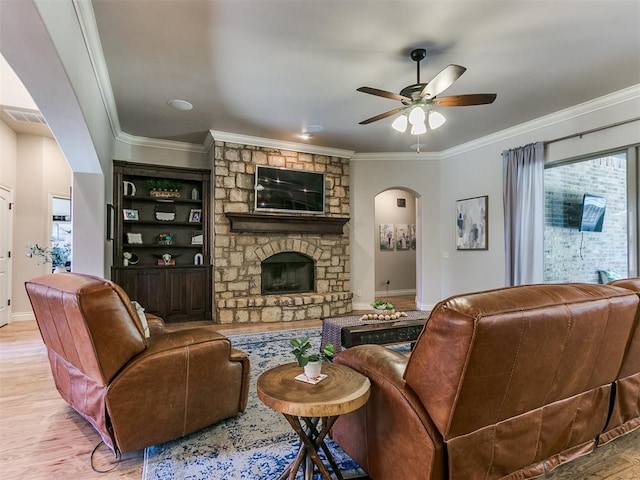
[
  {"x": 405, "y": 156},
  {"x": 89, "y": 28},
  {"x": 279, "y": 144},
  {"x": 159, "y": 143},
  {"x": 595, "y": 105}
]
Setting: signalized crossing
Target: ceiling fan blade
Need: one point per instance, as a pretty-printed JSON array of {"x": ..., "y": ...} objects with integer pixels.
[
  {"x": 464, "y": 100},
  {"x": 383, "y": 93},
  {"x": 442, "y": 81},
  {"x": 381, "y": 116}
]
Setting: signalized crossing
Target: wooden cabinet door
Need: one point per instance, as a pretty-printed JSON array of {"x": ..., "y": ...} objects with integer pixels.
[
  {"x": 144, "y": 286},
  {"x": 188, "y": 294}
]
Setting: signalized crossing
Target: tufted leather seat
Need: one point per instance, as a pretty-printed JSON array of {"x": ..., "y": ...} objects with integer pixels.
[
  {"x": 135, "y": 391},
  {"x": 508, "y": 383}
]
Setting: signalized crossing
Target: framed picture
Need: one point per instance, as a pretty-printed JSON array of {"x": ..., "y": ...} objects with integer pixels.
[
  {"x": 196, "y": 237},
  {"x": 110, "y": 210},
  {"x": 386, "y": 236},
  {"x": 130, "y": 214},
  {"x": 412, "y": 236},
  {"x": 472, "y": 232},
  {"x": 195, "y": 215},
  {"x": 403, "y": 239},
  {"x": 134, "y": 238}
]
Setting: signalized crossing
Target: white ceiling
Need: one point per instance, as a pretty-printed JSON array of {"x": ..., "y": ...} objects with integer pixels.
[{"x": 268, "y": 68}]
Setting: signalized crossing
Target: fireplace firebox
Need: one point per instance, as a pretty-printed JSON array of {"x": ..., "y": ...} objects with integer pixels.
[{"x": 287, "y": 272}]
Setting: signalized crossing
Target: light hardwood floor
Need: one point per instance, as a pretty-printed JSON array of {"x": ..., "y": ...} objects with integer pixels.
[{"x": 43, "y": 438}]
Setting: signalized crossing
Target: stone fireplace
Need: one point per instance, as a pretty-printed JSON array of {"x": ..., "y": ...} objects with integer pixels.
[
  {"x": 302, "y": 260},
  {"x": 287, "y": 272}
]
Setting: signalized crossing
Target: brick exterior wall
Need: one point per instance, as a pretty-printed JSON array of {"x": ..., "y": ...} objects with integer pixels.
[
  {"x": 238, "y": 255},
  {"x": 574, "y": 256}
]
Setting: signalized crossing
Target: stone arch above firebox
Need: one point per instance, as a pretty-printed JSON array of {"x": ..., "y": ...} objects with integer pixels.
[{"x": 289, "y": 245}]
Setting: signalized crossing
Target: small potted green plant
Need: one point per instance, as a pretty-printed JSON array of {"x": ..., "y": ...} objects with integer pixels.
[
  {"x": 380, "y": 306},
  {"x": 57, "y": 255},
  {"x": 163, "y": 188},
  {"x": 312, "y": 362}
]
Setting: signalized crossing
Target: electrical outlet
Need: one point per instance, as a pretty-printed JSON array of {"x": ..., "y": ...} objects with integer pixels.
[
  {"x": 359, "y": 293},
  {"x": 388, "y": 282}
]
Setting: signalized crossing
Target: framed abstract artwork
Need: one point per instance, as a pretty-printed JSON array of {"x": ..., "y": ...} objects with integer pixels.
[{"x": 472, "y": 222}]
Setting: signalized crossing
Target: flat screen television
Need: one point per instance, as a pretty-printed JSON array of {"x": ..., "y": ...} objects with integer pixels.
[
  {"x": 593, "y": 208},
  {"x": 288, "y": 191}
]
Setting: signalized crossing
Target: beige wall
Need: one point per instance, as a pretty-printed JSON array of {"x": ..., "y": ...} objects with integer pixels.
[
  {"x": 8, "y": 143},
  {"x": 41, "y": 171}
]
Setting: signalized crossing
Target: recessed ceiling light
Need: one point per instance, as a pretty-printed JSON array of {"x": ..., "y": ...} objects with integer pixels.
[
  {"x": 309, "y": 130},
  {"x": 180, "y": 104},
  {"x": 314, "y": 129}
]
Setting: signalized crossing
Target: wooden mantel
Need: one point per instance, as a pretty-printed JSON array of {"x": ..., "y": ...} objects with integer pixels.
[{"x": 266, "y": 223}]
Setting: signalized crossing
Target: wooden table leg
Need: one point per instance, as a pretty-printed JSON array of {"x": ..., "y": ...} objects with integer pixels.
[{"x": 311, "y": 441}]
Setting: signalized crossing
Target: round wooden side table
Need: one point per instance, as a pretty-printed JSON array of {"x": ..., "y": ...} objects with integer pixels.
[{"x": 311, "y": 410}]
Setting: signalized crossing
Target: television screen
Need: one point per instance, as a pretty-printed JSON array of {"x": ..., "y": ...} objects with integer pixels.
[
  {"x": 593, "y": 208},
  {"x": 288, "y": 190}
]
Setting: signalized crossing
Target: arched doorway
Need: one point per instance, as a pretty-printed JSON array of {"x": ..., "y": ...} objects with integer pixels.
[{"x": 396, "y": 265}]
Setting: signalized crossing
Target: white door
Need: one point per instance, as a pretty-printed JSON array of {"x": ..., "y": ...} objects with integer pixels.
[{"x": 5, "y": 246}]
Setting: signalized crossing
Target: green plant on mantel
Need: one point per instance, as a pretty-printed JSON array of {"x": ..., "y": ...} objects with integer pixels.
[
  {"x": 163, "y": 185},
  {"x": 301, "y": 347}
]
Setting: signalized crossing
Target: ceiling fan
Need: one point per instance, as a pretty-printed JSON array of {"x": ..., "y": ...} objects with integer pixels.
[{"x": 424, "y": 96}]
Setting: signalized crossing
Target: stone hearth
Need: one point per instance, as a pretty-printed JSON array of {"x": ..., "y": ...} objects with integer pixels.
[{"x": 239, "y": 249}]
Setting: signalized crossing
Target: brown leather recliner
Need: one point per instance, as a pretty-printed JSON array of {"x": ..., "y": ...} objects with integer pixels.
[
  {"x": 135, "y": 391},
  {"x": 508, "y": 383},
  {"x": 625, "y": 416}
]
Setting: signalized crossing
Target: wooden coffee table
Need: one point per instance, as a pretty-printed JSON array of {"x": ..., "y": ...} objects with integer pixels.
[
  {"x": 350, "y": 330},
  {"x": 311, "y": 410}
]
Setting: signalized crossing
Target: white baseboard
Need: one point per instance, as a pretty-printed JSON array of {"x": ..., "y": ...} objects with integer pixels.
[
  {"x": 395, "y": 293},
  {"x": 22, "y": 317}
]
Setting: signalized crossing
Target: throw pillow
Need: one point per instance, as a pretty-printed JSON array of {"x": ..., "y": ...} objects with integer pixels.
[
  {"x": 607, "y": 276},
  {"x": 142, "y": 317}
]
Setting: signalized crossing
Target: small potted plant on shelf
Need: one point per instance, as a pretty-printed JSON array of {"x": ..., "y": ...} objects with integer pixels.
[
  {"x": 386, "y": 308},
  {"x": 163, "y": 188},
  {"x": 312, "y": 362}
]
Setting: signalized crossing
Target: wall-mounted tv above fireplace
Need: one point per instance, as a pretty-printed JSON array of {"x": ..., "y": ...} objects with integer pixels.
[{"x": 288, "y": 191}]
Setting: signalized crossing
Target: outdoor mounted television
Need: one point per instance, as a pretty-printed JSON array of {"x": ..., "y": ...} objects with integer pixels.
[
  {"x": 288, "y": 191},
  {"x": 592, "y": 217}
]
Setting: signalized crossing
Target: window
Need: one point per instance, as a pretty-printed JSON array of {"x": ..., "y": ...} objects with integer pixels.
[{"x": 572, "y": 253}]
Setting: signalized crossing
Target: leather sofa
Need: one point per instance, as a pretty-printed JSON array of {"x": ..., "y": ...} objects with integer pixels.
[
  {"x": 625, "y": 416},
  {"x": 135, "y": 391},
  {"x": 508, "y": 383}
]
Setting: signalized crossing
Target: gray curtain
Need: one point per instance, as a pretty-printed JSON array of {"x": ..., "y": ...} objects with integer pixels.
[{"x": 523, "y": 176}]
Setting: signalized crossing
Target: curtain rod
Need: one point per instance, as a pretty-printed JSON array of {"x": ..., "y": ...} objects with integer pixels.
[{"x": 593, "y": 130}]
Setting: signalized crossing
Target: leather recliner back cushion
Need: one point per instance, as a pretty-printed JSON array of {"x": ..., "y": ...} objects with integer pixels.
[
  {"x": 490, "y": 356},
  {"x": 631, "y": 364},
  {"x": 86, "y": 321}
]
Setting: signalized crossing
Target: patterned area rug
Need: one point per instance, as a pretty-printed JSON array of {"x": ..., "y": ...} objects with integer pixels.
[{"x": 257, "y": 444}]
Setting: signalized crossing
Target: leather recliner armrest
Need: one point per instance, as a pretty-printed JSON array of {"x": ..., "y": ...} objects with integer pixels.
[
  {"x": 185, "y": 380},
  {"x": 392, "y": 421}
]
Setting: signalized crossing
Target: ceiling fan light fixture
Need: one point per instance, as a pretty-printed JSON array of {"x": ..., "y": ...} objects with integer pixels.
[
  {"x": 400, "y": 124},
  {"x": 436, "y": 119},
  {"x": 416, "y": 115},
  {"x": 418, "y": 128}
]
